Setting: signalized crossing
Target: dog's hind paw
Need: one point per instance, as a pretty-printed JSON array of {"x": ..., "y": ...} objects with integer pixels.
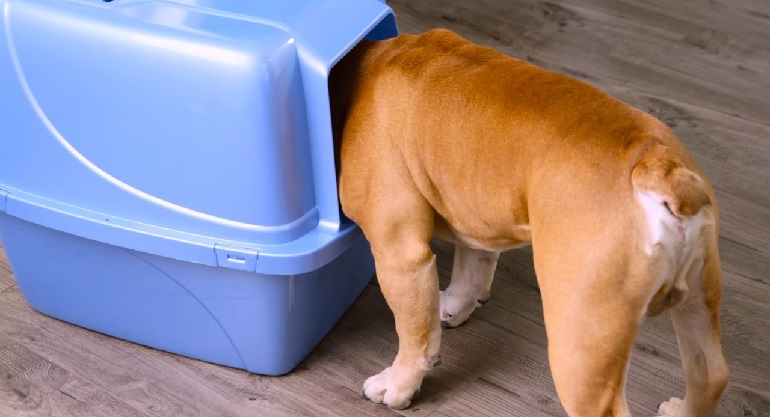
[
  {"x": 669, "y": 408},
  {"x": 455, "y": 309}
]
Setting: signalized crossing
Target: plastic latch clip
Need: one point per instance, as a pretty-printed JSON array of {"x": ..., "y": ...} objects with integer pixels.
[{"x": 235, "y": 257}]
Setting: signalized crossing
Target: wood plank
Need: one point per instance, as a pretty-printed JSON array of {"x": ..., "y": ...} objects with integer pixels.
[
  {"x": 6, "y": 277},
  {"x": 30, "y": 385},
  {"x": 163, "y": 384}
]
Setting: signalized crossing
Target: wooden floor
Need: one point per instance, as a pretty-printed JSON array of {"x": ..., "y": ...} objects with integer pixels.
[{"x": 702, "y": 66}]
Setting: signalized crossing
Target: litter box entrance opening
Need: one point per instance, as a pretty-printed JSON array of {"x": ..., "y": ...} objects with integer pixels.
[{"x": 339, "y": 91}]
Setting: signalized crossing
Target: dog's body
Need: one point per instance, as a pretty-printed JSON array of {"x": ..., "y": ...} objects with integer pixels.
[{"x": 439, "y": 137}]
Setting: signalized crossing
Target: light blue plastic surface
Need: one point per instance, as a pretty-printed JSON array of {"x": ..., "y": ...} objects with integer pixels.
[
  {"x": 263, "y": 323},
  {"x": 187, "y": 123},
  {"x": 167, "y": 170}
]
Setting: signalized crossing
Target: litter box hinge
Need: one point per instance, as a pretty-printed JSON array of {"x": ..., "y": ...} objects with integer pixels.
[
  {"x": 3, "y": 200},
  {"x": 235, "y": 257}
]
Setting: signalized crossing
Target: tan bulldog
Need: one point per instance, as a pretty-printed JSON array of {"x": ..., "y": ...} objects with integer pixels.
[{"x": 440, "y": 137}]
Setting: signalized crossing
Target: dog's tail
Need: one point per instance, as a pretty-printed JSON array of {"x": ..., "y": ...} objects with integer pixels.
[
  {"x": 662, "y": 172},
  {"x": 663, "y": 178}
]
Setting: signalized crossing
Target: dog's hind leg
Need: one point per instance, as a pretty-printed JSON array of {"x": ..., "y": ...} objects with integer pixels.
[
  {"x": 696, "y": 321},
  {"x": 472, "y": 276},
  {"x": 592, "y": 315}
]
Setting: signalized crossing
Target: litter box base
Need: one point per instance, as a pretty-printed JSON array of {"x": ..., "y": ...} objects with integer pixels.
[{"x": 265, "y": 324}]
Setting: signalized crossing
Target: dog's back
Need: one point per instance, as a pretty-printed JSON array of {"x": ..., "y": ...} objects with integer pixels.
[{"x": 420, "y": 91}]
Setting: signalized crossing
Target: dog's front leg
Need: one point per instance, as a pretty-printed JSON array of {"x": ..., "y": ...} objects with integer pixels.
[{"x": 409, "y": 281}]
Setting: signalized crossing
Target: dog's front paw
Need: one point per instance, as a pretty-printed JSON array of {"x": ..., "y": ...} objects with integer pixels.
[
  {"x": 669, "y": 408},
  {"x": 395, "y": 391},
  {"x": 455, "y": 309}
]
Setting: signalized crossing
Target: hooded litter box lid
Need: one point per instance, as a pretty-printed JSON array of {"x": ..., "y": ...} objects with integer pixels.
[{"x": 193, "y": 129}]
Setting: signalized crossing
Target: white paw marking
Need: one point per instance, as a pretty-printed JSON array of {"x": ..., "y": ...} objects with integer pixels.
[
  {"x": 375, "y": 386},
  {"x": 395, "y": 391},
  {"x": 669, "y": 408},
  {"x": 455, "y": 309}
]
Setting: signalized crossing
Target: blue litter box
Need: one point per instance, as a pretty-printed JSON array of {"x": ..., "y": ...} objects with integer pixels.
[{"x": 167, "y": 170}]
